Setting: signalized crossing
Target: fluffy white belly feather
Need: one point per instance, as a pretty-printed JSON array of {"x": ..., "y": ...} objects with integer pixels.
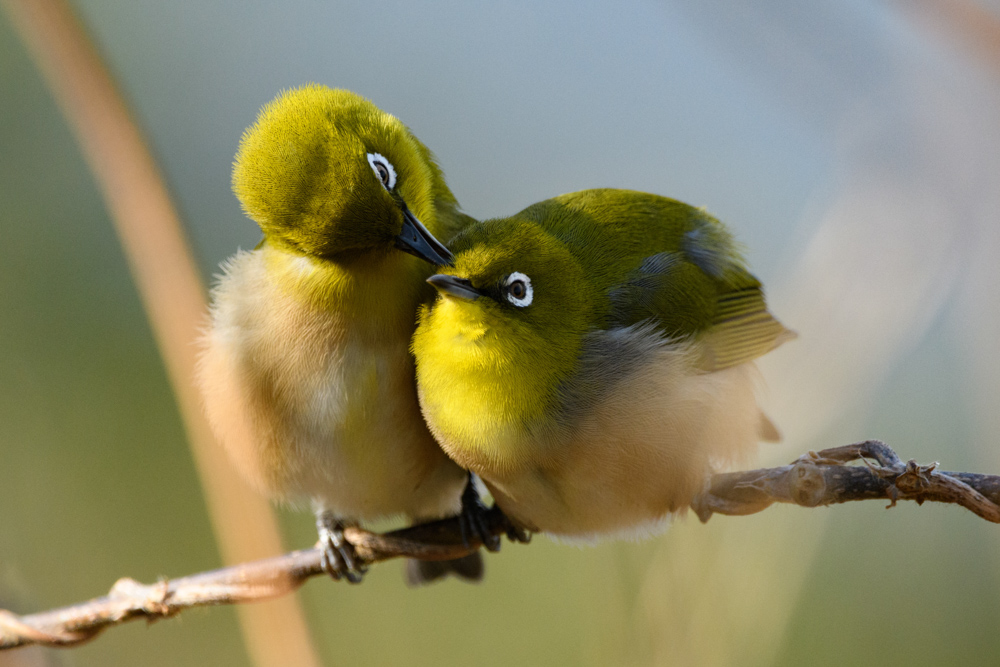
[
  {"x": 638, "y": 456},
  {"x": 311, "y": 408}
]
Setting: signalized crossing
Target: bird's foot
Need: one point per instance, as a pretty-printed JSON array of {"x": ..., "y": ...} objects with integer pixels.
[
  {"x": 473, "y": 519},
  {"x": 339, "y": 559}
]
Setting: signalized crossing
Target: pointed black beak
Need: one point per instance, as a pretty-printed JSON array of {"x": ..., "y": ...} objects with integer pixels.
[
  {"x": 457, "y": 287},
  {"x": 416, "y": 240}
]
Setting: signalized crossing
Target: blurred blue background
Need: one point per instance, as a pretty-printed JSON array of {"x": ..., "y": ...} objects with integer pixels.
[{"x": 854, "y": 148}]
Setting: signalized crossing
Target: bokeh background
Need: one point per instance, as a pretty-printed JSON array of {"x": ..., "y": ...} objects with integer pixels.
[{"x": 854, "y": 148}]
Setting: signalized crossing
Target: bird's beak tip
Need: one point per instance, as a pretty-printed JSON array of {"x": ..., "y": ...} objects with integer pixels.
[
  {"x": 452, "y": 286},
  {"x": 416, "y": 240}
]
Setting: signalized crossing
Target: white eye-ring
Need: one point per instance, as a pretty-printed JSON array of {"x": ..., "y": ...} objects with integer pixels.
[
  {"x": 383, "y": 169},
  {"x": 518, "y": 289}
]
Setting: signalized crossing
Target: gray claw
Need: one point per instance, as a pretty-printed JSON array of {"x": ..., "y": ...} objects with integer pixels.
[{"x": 339, "y": 559}]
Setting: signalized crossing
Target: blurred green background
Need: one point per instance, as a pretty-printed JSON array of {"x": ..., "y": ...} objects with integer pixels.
[{"x": 854, "y": 147}]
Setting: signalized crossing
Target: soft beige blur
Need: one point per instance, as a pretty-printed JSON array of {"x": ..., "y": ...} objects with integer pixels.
[
  {"x": 910, "y": 223},
  {"x": 153, "y": 240}
]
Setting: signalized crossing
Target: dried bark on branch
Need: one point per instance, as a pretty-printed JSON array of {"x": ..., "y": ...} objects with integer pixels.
[
  {"x": 815, "y": 479},
  {"x": 821, "y": 478}
]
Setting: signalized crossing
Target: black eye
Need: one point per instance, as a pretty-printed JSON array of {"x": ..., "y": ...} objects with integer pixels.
[
  {"x": 383, "y": 169},
  {"x": 518, "y": 287}
]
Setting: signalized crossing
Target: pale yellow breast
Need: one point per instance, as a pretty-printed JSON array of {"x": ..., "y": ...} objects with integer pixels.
[{"x": 312, "y": 404}]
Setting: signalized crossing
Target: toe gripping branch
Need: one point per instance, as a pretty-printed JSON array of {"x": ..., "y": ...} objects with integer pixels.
[
  {"x": 346, "y": 550},
  {"x": 338, "y": 558},
  {"x": 826, "y": 478}
]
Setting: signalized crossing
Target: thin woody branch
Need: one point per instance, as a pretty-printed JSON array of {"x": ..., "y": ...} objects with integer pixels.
[
  {"x": 818, "y": 478},
  {"x": 248, "y": 582},
  {"x": 821, "y": 478}
]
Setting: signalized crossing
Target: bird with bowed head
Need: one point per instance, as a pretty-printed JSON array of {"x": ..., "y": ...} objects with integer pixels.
[{"x": 305, "y": 370}]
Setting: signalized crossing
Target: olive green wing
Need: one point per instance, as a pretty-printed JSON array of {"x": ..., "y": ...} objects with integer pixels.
[
  {"x": 742, "y": 329},
  {"x": 701, "y": 291}
]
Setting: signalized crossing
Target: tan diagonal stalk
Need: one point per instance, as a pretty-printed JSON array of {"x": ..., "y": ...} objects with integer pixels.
[{"x": 171, "y": 290}]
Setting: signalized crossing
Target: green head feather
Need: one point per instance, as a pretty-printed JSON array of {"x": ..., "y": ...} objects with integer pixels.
[
  {"x": 305, "y": 173},
  {"x": 534, "y": 291}
]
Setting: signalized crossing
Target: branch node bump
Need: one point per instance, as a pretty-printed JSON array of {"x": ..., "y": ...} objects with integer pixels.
[{"x": 806, "y": 483}]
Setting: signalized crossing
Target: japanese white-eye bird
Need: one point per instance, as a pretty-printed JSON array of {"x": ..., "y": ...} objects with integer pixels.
[
  {"x": 591, "y": 359},
  {"x": 305, "y": 371}
]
